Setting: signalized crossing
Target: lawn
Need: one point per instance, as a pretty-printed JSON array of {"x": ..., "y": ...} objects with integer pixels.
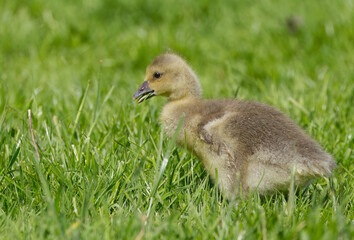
[{"x": 98, "y": 173}]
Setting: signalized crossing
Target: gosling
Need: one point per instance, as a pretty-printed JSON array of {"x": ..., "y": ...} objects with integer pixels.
[{"x": 244, "y": 145}]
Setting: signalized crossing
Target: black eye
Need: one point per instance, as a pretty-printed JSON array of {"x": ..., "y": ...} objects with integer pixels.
[{"x": 157, "y": 75}]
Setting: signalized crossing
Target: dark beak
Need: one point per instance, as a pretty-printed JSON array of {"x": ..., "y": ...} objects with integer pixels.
[{"x": 144, "y": 92}]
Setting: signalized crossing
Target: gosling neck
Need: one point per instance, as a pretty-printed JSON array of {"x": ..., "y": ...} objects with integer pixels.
[{"x": 186, "y": 95}]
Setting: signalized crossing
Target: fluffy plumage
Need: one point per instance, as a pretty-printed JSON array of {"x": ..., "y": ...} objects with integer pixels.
[{"x": 250, "y": 145}]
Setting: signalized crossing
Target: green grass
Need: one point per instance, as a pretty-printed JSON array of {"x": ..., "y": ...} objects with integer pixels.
[{"x": 76, "y": 65}]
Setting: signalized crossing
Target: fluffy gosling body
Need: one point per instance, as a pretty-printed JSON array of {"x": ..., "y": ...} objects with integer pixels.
[{"x": 250, "y": 145}]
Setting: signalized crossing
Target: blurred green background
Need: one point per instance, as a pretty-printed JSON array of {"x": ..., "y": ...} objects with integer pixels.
[{"x": 76, "y": 65}]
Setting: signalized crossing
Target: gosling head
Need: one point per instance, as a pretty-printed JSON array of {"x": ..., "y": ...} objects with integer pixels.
[{"x": 170, "y": 76}]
